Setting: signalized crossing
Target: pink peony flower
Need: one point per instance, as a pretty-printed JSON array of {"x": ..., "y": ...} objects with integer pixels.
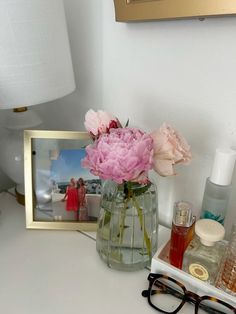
[
  {"x": 122, "y": 155},
  {"x": 170, "y": 148},
  {"x": 97, "y": 123}
]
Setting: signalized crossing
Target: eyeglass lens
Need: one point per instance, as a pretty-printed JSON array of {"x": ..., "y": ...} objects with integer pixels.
[
  {"x": 168, "y": 296},
  {"x": 212, "y": 307}
]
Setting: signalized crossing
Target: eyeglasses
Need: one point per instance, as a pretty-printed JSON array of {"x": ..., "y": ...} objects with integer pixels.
[{"x": 167, "y": 295}]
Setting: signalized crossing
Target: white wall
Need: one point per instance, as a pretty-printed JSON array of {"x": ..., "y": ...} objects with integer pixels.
[
  {"x": 182, "y": 72},
  {"x": 84, "y": 20}
]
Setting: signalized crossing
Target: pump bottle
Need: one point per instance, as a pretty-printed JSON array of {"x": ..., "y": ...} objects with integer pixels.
[{"x": 218, "y": 186}]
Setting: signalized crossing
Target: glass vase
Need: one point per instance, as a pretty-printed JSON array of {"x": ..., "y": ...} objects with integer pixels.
[{"x": 127, "y": 225}]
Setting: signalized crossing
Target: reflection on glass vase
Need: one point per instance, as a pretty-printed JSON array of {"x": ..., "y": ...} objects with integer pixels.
[{"x": 127, "y": 225}]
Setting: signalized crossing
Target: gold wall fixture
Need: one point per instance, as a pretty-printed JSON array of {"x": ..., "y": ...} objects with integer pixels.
[{"x": 143, "y": 10}]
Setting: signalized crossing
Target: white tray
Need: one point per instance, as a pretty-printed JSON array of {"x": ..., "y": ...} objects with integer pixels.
[{"x": 160, "y": 265}]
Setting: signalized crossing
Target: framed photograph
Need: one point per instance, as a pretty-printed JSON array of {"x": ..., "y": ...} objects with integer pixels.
[
  {"x": 59, "y": 193},
  {"x": 142, "y": 10}
]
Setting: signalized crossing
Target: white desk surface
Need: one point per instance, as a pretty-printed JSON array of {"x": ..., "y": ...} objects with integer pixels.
[{"x": 60, "y": 272}]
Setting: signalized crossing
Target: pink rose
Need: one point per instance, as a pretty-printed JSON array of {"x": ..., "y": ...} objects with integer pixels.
[
  {"x": 170, "y": 148},
  {"x": 97, "y": 123},
  {"x": 121, "y": 155}
]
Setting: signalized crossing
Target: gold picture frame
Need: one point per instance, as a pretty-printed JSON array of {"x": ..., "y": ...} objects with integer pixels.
[
  {"x": 142, "y": 10},
  {"x": 53, "y": 199}
]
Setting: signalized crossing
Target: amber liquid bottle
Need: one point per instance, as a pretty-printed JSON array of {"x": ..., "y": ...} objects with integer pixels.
[{"x": 182, "y": 232}]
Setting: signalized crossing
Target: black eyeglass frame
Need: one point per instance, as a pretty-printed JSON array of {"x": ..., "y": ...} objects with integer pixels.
[{"x": 189, "y": 296}]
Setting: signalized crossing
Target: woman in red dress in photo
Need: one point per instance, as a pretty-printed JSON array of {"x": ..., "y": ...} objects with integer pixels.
[
  {"x": 82, "y": 204},
  {"x": 71, "y": 197}
]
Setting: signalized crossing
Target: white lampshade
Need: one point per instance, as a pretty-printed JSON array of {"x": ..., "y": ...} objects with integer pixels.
[
  {"x": 35, "y": 60},
  {"x": 35, "y": 67}
]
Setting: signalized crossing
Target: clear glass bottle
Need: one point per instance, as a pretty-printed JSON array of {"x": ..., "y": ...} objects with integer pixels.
[
  {"x": 202, "y": 259},
  {"x": 218, "y": 186},
  {"x": 182, "y": 232},
  {"x": 227, "y": 277}
]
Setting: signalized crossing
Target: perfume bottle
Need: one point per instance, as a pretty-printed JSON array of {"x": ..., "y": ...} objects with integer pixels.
[
  {"x": 202, "y": 260},
  {"x": 181, "y": 233},
  {"x": 218, "y": 186},
  {"x": 227, "y": 277}
]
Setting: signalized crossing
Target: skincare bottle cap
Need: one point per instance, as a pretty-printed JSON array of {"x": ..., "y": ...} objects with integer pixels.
[
  {"x": 223, "y": 166},
  {"x": 183, "y": 214},
  {"x": 209, "y": 231}
]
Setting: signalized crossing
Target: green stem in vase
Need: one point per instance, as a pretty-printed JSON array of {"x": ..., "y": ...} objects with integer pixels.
[
  {"x": 122, "y": 225},
  {"x": 140, "y": 215}
]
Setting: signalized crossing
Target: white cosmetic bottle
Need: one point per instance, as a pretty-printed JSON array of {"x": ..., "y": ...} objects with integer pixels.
[{"x": 218, "y": 186}]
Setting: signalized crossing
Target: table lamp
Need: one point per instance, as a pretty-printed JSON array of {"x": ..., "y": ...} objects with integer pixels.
[{"x": 35, "y": 67}]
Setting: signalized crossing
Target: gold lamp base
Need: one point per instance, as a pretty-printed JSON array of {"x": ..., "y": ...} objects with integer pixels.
[{"x": 20, "y": 198}]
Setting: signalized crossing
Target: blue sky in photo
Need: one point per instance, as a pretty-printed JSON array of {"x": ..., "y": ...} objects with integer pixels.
[{"x": 68, "y": 165}]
